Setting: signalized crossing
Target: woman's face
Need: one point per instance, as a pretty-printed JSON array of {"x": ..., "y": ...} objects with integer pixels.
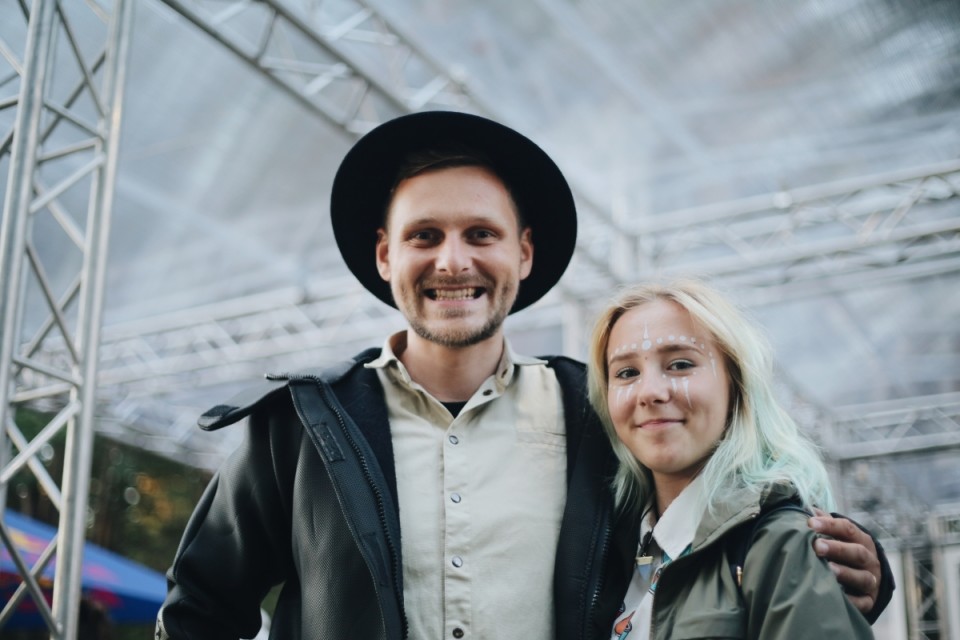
[{"x": 668, "y": 389}]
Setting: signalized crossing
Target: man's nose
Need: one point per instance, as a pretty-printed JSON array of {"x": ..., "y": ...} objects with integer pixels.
[{"x": 453, "y": 256}]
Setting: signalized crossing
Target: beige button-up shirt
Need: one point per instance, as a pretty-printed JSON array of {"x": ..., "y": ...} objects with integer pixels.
[{"x": 481, "y": 498}]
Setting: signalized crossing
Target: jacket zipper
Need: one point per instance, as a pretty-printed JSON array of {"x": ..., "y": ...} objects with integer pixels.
[
  {"x": 381, "y": 509},
  {"x": 682, "y": 560},
  {"x": 663, "y": 571},
  {"x": 595, "y": 597}
]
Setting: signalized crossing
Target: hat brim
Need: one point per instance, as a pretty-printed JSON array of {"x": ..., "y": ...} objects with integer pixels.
[{"x": 361, "y": 190}]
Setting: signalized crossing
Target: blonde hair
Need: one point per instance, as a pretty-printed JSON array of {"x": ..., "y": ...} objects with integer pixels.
[{"x": 761, "y": 443}]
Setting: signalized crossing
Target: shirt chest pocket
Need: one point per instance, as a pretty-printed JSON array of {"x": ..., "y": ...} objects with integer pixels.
[
  {"x": 540, "y": 427},
  {"x": 537, "y": 414},
  {"x": 556, "y": 442}
]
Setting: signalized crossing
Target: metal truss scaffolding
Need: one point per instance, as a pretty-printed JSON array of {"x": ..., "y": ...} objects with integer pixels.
[
  {"x": 804, "y": 241},
  {"x": 342, "y": 60},
  {"x": 61, "y": 152},
  {"x": 913, "y": 425}
]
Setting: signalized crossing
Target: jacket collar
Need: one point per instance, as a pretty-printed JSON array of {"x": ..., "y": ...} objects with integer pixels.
[{"x": 738, "y": 506}]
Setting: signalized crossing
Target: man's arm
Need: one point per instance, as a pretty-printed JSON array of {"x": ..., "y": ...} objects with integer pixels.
[
  {"x": 857, "y": 560},
  {"x": 235, "y": 548}
]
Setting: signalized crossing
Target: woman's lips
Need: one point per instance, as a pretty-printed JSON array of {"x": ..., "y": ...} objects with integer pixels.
[{"x": 659, "y": 423}]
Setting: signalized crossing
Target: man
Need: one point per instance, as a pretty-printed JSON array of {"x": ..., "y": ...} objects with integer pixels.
[{"x": 487, "y": 462}]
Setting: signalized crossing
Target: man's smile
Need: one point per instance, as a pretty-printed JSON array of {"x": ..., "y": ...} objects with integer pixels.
[{"x": 465, "y": 293}]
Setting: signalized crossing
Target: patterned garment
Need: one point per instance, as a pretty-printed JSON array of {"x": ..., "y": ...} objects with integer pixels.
[{"x": 673, "y": 532}]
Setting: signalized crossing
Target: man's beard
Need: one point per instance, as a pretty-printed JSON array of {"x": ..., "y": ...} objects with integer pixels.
[{"x": 457, "y": 338}]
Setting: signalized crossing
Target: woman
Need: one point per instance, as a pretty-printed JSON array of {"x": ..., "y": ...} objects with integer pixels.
[{"x": 682, "y": 383}]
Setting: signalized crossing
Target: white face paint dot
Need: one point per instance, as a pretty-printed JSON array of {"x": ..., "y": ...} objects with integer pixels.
[
  {"x": 683, "y": 338},
  {"x": 672, "y": 338},
  {"x": 634, "y": 346},
  {"x": 659, "y": 340},
  {"x": 646, "y": 345},
  {"x": 693, "y": 339}
]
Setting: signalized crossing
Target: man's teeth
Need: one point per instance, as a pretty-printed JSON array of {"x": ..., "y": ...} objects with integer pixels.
[{"x": 455, "y": 294}]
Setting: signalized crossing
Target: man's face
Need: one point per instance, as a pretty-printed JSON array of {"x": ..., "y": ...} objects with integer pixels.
[{"x": 453, "y": 254}]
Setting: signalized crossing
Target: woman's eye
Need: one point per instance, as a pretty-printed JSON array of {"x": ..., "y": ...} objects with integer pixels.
[
  {"x": 680, "y": 365},
  {"x": 626, "y": 373}
]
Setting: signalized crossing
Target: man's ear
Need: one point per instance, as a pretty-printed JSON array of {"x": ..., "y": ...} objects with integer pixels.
[
  {"x": 383, "y": 262},
  {"x": 526, "y": 252}
]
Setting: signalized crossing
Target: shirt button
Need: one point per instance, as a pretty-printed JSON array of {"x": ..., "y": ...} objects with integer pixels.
[
  {"x": 453, "y": 439},
  {"x": 457, "y": 561},
  {"x": 455, "y": 497},
  {"x": 488, "y": 392},
  {"x": 458, "y": 632}
]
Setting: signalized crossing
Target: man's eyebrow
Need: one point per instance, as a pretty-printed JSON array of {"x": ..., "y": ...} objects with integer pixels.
[
  {"x": 419, "y": 222},
  {"x": 474, "y": 220}
]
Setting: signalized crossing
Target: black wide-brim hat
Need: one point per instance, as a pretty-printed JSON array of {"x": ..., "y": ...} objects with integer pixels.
[{"x": 362, "y": 186}]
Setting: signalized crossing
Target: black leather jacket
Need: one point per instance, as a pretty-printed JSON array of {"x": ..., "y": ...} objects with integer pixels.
[{"x": 310, "y": 500}]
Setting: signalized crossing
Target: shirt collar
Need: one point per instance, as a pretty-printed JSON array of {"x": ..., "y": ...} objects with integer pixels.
[
  {"x": 396, "y": 343},
  {"x": 676, "y": 528},
  {"x": 393, "y": 343}
]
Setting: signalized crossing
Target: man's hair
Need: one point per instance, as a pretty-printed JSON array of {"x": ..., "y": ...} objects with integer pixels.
[
  {"x": 761, "y": 443},
  {"x": 451, "y": 156}
]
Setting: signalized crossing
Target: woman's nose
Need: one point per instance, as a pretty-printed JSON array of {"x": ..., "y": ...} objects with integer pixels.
[{"x": 652, "y": 389}]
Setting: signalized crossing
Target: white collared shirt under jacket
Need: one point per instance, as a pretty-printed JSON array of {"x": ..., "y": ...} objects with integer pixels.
[
  {"x": 669, "y": 538},
  {"x": 481, "y": 499}
]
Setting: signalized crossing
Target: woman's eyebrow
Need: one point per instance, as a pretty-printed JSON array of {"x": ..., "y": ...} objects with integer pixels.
[
  {"x": 621, "y": 355},
  {"x": 625, "y": 351},
  {"x": 678, "y": 346}
]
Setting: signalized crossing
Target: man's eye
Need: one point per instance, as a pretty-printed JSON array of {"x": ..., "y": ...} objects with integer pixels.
[
  {"x": 483, "y": 234},
  {"x": 423, "y": 236}
]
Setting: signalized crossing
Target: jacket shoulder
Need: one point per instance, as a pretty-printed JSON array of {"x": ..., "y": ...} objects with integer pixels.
[
  {"x": 564, "y": 362},
  {"x": 259, "y": 395},
  {"x": 572, "y": 374},
  {"x": 782, "y": 573}
]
